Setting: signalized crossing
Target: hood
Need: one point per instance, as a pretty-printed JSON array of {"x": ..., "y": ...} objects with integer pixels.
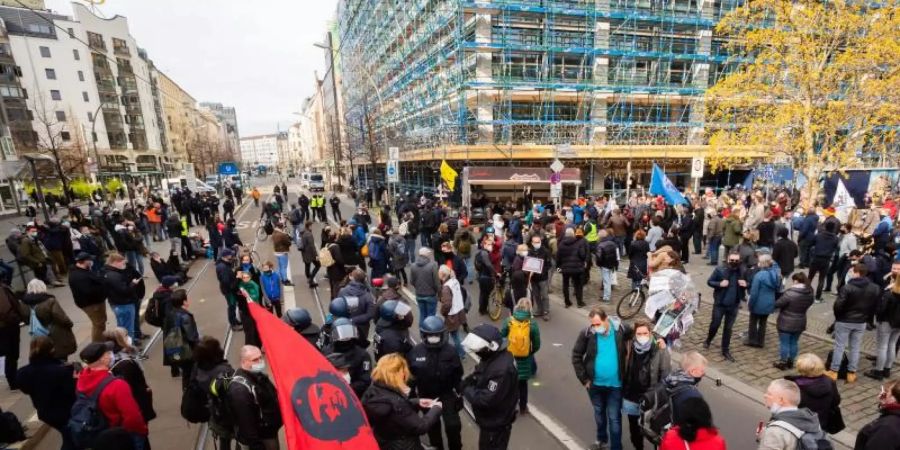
[
  {"x": 422, "y": 261},
  {"x": 802, "y": 289},
  {"x": 816, "y": 387},
  {"x": 860, "y": 282},
  {"x": 89, "y": 379},
  {"x": 522, "y": 315},
  {"x": 679, "y": 378},
  {"x": 802, "y": 418},
  {"x": 567, "y": 241},
  {"x": 35, "y": 299},
  {"x": 354, "y": 289}
]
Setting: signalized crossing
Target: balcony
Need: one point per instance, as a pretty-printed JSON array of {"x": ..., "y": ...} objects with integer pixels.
[
  {"x": 128, "y": 84},
  {"x": 96, "y": 42},
  {"x": 106, "y": 85},
  {"x": 121, "y": 50}
]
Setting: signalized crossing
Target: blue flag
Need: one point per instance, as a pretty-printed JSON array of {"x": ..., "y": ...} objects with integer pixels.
[{"x": 660, "y": 185}]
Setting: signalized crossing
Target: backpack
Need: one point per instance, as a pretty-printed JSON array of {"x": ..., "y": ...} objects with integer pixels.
[
  {"x": 325, "y": 257},
  {"x": 519, "y": 338},
  {"x": 606, "y": 254},
  {"x": 155, "y": 312},
  {"x": 219, "y": 414},
  {"x": 11, "y": 429},
  {"x": 656, "y": 411},
  {"x": 86, "y": 420},
  {"x": 175, "y": 346},
  {"x": 465, "y": 246},
  {"x": 806, "y": 440},
  {"x": 479, "y": 264},
  {"x": 36, "y": 328},
  {"x": 195, "y": 402},
  {"x": 429, "y": 221},
  {"x": 399, "y": 247}
]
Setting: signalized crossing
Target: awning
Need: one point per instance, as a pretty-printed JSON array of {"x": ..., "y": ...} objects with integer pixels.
[
  {"x": 520, "y": 175},
  {"x": 13, "y": 169}
]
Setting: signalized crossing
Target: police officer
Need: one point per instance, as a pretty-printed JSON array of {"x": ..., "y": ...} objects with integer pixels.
[
  {"x": 360, "y": 303},
  {"x": 300, "y": 320},
  {"x": 492, "y": 389},
  {"x": 345, "y": 340},
  {"x": 437, "y": 372},
  {"x": 392, "y": 329}
]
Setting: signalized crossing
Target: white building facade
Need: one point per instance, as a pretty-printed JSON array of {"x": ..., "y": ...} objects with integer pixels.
[{"x": 260, "y": 151}]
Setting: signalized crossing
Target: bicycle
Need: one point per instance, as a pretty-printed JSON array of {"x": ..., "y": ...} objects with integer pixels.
[
  {"x": 632, "y": 302},
  {"x": 497, "y": 299}
]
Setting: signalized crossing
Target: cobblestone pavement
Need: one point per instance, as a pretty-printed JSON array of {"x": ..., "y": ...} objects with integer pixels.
[{"x": 754, "y": 365}]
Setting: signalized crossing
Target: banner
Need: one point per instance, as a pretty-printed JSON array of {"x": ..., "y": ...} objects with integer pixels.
[
  {"x": 448, "y": 175},
  {"x": 319, "y": 409},
  {"x": 661, "y": 185}
]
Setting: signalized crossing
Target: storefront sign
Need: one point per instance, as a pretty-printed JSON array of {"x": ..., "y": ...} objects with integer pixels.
[{"x": 513, "y": 175}]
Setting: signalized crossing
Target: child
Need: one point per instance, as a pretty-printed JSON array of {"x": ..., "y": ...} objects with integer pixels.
[
  {"x": 271, "y": 284},
  {"x": 248, "y": 288}
]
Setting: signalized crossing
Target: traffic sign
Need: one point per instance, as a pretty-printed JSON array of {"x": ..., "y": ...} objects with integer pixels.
[
  {"x": 697, "y": 164},
  {"x": 556, "y": 190},
  {"x": 228, "y": 168},
  {"x": 393, "y": 172},
  {"x": 394, "y": 153},
  {"x": 557, "y": 166},
  {"x": 555, "y": 178}
]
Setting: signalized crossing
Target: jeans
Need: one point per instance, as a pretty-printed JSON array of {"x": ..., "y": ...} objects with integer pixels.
[
  {"x": 427, "y": 307},
  {"x": 283, "y": 267},
  {"x": 540, "y": 297},
  {"x": 728, "y": 313},
  {"x": 457, "y": 342},
  {"x": 579, "y": 287},
  {"x": 788, "y": 346},
  {"x": 607, "y": 275},
  {"x": 125, "y": 317},
  {"x": 845, "y": 333},
  {"x": 818, "y": 266},
  {"x": 470, "y": 266},
  {"x": 756, "y": 335},
  {"x": 620, "y": 242},
  {"x": 712, "y": 248},
  {"x": 135, "y": 259},
  {"x": 176, "y": 243},
  {"x": 607, "y": 403},
  {"x": 886, "y": 345},
  {"x": 411, "y": 248}
]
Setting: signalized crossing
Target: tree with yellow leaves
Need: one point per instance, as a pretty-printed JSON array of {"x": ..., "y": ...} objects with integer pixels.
[{"x": 818, "y": 88}]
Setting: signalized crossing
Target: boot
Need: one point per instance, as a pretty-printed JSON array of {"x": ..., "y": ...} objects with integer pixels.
[
  {"x": 851, "y": 377},
  {"x": 887, "y": 372},
  {"x": 831, "y": 374},
  {"x": 874, "y": 374},
  {"x": 781, "y": 364}
]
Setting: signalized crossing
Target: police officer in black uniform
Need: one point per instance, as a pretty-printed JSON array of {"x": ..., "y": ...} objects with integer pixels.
[
  {"x": 492, "y": 389},
  {"x": 345, "y": 341},
  {"x": 300, "y": 320},
  {"x": 437, "y": 372},
  {"x": 392, "y": 329}
]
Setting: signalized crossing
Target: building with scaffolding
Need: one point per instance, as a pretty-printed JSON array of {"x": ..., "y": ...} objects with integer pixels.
[{"x": 609, "y": 86}]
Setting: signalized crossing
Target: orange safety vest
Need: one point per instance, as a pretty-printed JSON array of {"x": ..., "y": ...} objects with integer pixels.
[{"x": 152, "y": 216}]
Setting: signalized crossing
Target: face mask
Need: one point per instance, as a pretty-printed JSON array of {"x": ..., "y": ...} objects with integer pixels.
[
  {"x": 267, "y": 271},
  {"x": 433, "y": 339},
  {"x": 523, "y": 253},
  {"x": 33, "y": 234},
  {"x": 129, "y": 341},
  {"x": 347, "y": 378},
  {"x": 489, "y": 248},
  {"x": 536, "y": 246},
  {"x": 734, "y": 263},
  {"x": 258, "y": 367},
  {"x": 643, "y": 340},
  {"x": 601, "y": 329}
]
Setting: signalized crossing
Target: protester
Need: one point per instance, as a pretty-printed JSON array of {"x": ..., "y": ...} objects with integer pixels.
[
  {"x": 818, "y": 392},
  {"x": 540, "y": 281},
  {"x": 50, "y": 383},
  {"x": 88, "y": 293},
  {"x": 452, "y": 307},
  {"x": 764, "y": 288},
  {"x": 49, "y": 319},
  {"x": 393, "y": 415},
  {"x": 491, "y": 389},
  {"x": 853, "y": 309},
  {"x": 571, "y": 258},
  {"x": 180, "y": 329},
  {"x": 784, "y": 252},
  {"x": 270, "y": 283},
  {"x": 210, "y": 364},
  {"x": 426, "y": 285},
  {"x": 887, "y": 316},
  {"x": 729, "y": 285},
  {"x": 788, "y": 422},
  {"x": 524, "y": 339},
  {"x": 127, "y": 367},
  {"x": 793, "y": 304},
  {"x": 253, "y": 401},
  {"x": 121, "y": 291},
  {"x": 310, "y": 254},
  {"x": 646, "y": 365},
  {"x": 883, "y": 433},
  {"x": 693, "y": 430},
  {"x": 487, "y": 274},
  {"x": 228, "y": 285},
  {"x": 281, "y": 245}
]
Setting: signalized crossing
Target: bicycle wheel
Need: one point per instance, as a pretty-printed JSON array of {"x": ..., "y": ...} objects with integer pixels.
[
  {"x": 261, "y": 234},
  {"x": 495, "y": 303},
  {"x": 631, "y": 304}
]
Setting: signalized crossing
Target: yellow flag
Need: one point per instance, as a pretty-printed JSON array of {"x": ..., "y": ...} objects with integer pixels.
[{"x": 448, "y": 175}]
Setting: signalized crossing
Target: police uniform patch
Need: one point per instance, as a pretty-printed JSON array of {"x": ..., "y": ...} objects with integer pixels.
[{"x": 492, "y": 386}]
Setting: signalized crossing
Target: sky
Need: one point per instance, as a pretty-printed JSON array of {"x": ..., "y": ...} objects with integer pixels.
[{"x": 255, "y": 55}]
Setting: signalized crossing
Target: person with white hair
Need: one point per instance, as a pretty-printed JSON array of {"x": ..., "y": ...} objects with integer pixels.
[
  {"x": 764, "y": 288},
  {"x": 47, "y": 318},
  {"x": 789, "y": 422}
]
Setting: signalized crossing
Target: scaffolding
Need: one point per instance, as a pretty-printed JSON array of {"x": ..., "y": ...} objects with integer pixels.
[{"x": 502, "y": 78}]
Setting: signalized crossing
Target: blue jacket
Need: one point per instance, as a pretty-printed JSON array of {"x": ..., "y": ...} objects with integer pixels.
[
  {"x": 271, "y": 284},
  {"x": 577, "y": 214},
  {"x": 808, "y": 227},
  {"x": 359, "y": 236},
  {"x": 764, "y": 289}
]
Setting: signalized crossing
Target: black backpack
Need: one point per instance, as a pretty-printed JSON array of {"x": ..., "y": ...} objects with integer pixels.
[
  {"x": 155, "y": 313},
  {"x": 11, "y": 429},
  {"x": 86, "y": 420},
  {"x": 195, "y": 402},
  {"x": 656, "y": 411},
  {"x": 606, "y": 254}
]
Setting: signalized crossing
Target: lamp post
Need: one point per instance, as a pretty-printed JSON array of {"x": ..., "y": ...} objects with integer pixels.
[{"x": 328, "y": 45}]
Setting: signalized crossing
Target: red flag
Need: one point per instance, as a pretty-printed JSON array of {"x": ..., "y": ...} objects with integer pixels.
[{"x": 319, "y": 408}]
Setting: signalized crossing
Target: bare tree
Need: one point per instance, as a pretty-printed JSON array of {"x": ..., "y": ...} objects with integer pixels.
[{"x": 54, "y": 137}]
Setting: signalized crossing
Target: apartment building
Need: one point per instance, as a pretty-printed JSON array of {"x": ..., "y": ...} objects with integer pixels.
[
  {"x": 228, "y": 117},
  {"x": 262, "y": 150}
]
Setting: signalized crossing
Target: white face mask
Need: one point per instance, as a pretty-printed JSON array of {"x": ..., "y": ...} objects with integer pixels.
[
  {"x": 523, "y": 253},
  {"x": 258, "y": 367},
  {"x": 347, "y": 378},
  {"x": 643, "y": 340},
  {"x": 433, "y": 339},
  {"x": 536, "y": 246}
]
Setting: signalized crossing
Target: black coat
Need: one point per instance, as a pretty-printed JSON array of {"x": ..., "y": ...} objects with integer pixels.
[
  {"x": 128, "y": 369},
  {"x": 393, "y": 339},
  {"x": 825, "y": 245},
  {"x": 889, "y": 309},
  {"x": 360, "y": 363},
  {"x": 794, "y": 303},
  {"x": 492, "y": 390},
  {"x": 87, "y": 287},
  {"x": 118, "y": 286},
  {"x": 50, "y": 384},
  {"x": 637, "y": 257},
  {"x": 857, "y": 301},
  {"x": 571, "y": 255},
  {"x": 819, "y": 394},
  {"x": 395, "y": 418},
  {"x": 256, "y": 417},
  {"x": 436, "y": 371},
  {"x": 882, "y": 433},
  {"x": 785, "y": 253}
]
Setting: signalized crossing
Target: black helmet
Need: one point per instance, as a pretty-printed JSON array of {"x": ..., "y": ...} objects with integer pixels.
[
  {"x": 392, "y": 310},
  {"x": 297, "y": 318},
  {"x": 343, "y": 306},
  {"x": 433, "y": 326},
  {"x": 343, "y": 330}
]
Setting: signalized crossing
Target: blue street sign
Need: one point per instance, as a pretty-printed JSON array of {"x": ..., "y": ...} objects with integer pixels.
[{"x": 228, "y": 168}]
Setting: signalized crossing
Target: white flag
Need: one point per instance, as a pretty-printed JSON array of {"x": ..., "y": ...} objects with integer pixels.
[{"x": 843, "y": 201}]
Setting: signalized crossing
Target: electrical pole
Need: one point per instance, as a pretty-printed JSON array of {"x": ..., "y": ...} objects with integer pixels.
[{"x": 337, "y": 120}]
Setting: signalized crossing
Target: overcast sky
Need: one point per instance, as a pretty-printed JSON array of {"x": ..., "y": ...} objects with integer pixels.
[{"x": 257, "y": 56}]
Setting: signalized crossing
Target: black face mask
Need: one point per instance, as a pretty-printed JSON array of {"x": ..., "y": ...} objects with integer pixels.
[{"x": 734, "y": 264}]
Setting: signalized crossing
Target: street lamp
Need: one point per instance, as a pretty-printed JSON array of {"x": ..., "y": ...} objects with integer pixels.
[{"x": 337, "y": 123}]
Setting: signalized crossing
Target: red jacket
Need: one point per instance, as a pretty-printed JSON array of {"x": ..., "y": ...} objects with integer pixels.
[
  {"x": 707, "y": 439},
  {"x": 116, "y": 402}
]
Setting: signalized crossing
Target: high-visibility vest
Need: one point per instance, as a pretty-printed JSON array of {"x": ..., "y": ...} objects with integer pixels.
[
  {"x": 591, "y": 236},
  {"x": 184, "y": 227}
]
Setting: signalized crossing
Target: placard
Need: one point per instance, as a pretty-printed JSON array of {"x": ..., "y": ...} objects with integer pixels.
[{"x": 533, "y": 265}]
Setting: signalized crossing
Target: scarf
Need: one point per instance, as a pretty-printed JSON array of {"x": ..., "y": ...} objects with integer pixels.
[
  {"x": 457, "y": 305},
  {"x": 640, "y": 349}
]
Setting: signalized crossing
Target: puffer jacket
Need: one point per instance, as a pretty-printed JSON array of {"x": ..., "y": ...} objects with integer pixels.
[
  {"x": 857, "y": 301},
  {"x": 763, "y": 290},
  {"x": 889, "y": 309},
  {"x": 395, "y": 418},
  {"x": 793, "y": 304},
  {"x": 820, "y": 394},
  {"x": 572, "y": 255},
  {"x": 55, "y": 320}
]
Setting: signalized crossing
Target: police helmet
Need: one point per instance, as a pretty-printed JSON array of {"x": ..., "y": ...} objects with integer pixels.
[
  {"x": 343, "y": 330},
  {"x": 392, "y": 310},
  {"x": 433, "y": 327},
  {"x": 298, "y": 318},
  {"x": 343, "y": 306}
]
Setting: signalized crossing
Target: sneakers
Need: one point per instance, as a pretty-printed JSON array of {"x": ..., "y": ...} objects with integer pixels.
[
  {"x": 783, "y": 365},
  {"x": 706, "y": 345},
  {"x": 832, "y": 374},
  {"x": 597, "y": 445},
  {"x": 728, "y": 357},
  {"x": 851, "y": 377}
]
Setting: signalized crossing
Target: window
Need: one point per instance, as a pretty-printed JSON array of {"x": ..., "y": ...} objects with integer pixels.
[
  {"x": 80, "y": 76},
  {"x": 61, "y": 116},
  {"x": 45, "y": 51},
  {"x": 84, "y": 95},
  {"x": 65, "y": 136},
  {"x": 90, "y": 116},
  {"x": 51, "y": 74},
  {"x": 55, "y": 95},
  {"x": 76, "y": 54},
  {"x": 71, "y": 34}
]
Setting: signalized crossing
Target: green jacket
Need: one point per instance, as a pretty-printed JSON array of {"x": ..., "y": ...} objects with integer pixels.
[
  {"x": 733, "y": 229},
  {"x": 252, "y": 288},
  {"x": 525, "y": 366}
]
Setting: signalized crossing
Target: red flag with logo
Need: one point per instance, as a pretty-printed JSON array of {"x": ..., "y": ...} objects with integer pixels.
[{"x": 319, "y": 409}]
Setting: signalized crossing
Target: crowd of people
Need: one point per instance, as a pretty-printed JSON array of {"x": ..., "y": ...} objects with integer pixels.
[{"x": 411, "y": 387}]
